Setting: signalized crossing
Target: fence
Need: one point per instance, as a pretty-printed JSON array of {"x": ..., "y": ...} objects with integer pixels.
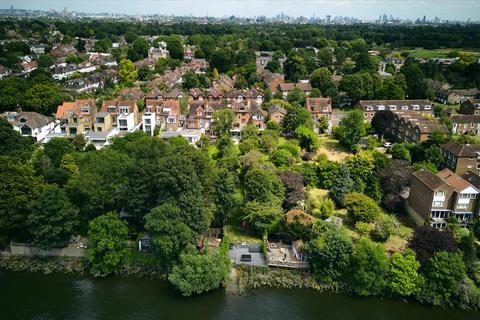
[{"x": 25, "y": 249}]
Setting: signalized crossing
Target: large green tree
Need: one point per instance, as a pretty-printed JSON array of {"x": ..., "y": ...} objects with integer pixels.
[
  {"x": 107, "y": 244},
  {"x": 403, "y": 277},
  {"x": 198, "y": 273},
  {"x": 351, "y": 130},
  {"x": 369, "y": 267},
  {"x": 52, "y": 219}
]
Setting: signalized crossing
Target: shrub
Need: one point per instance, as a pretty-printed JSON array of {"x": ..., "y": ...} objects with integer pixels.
[{"x": 361, "y": 208}]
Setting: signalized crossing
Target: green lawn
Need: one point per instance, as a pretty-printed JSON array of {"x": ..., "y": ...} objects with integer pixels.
[{"x": 236, "y": 235}]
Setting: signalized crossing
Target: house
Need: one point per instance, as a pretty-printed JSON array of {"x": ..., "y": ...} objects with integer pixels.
[
  {"x": 465, "y": 124},
  {"x": 167, "y": 114},
  {"x": 370, "y": 107},
  {"x": 455, "y": 96},
  {"x": 223, "y": 83},
  {"x": 103, "y": 122},
  {"x": 196, "y": 94},
  {"x": 262, "y": 62},
  {"x": 319, "y": 107},
  {"x": 411, "y": 127},
  {"x": 28, "y": 67},
  {"x": 131, "y": 93},
  {"x": 276, "y": 114},
  {"x": 76, "y": 117},
  {"x": 191, "y": 135},
  {"x": 272, "y": 80},
  {"x": 246, "y": 112},
  {"x": 470, "y": 106},
  {"x": 99, "y": 139},
  {"x": 215, "y": 95},
  {"x": 81, "y": 85},
  {"x": 461, "y": 158},
  {"x": 286, "y": 88},
  {"x": 31, "y": 124},
  {"x": 436, "y": 197},
  {"x": 38, "y": 48},
  {"x": 158, "y": 53},
  {"x": 125, "y": 115},
  {"x": 200, "y": 114}
]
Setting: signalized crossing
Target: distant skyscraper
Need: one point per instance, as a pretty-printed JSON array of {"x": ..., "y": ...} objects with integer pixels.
[{"x": 328, "y": 18}]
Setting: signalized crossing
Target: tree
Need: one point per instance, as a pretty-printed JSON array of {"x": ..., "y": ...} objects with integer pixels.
[
  {"x": 189, "y": 80},
  {"x": 103, "y": 45},
  {"x": 325, "y": 55},
  {"x": 222, "y": 122},
  {"x": 381, "y": 121},
  {"x": 361, "y": 208},
  {"x": 144, "y": 73},
  {"x": 197, "y": 273},
  {"x": 326, "y": 172},
  {"x": 427, "y": 241},
  {"x": 175, "y": 47},
  {"x": 415, "y": 80},
  {"x": 294, "y": 192},
  {"x": 330, "y": 255},
  {"x": 394, "y": 180},
  {"x": 52, "y": 218},
  {"x": 56, "y": 148},
  {"x": 12, "y": 93},
  {"x": 296, "y": 116},
  {"x": 130, "y": 36},
  {"x": 18, "y": 187},
  {"x": 11, "y": 141},
  {"x": 281, "y": 158},
  {"x": 140, "y": 46},
  {"x": 368, "y": 268},
  {"x": 308, "y": 138},
  {"x": 400, "y": 151},
  {"x": 322, "y": 208},
  {"x": 262, "y": 216},
  {"x": 127, "y": 72},
  {"x": 225, "y": 200},
  {"x": 100, "y": 186},
  {"x": 68, "y": 164},
  {"x": 351, "y": 130},
  {"x": 107, "y": 244},
  {"x": 443, "y": 273},
  {"x": 403, "y": 277},
  {"x": 222, "y": 60},
  {"x": 43, "y": 98},
  {"x": 364, "y": 62},
  {"x": 321, "y": 79},
  {"x": 342, "y": 185},
  {"x": 79, "y": 142},
  {"x": 295, "y": 68},
  {"x": 354, "y": 87},
  {"x": 263, "y": 186},
  {"x": 170, "y": 235},
  {"x": 45, "y": 61}
]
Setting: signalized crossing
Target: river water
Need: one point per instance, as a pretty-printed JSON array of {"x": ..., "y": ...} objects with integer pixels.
[{"x": 58, "y": 296}]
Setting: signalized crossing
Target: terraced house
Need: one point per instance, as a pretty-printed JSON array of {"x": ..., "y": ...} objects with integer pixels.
[
  {"x": 434, "y": 198},
  {"x": 370, "y": 107}
]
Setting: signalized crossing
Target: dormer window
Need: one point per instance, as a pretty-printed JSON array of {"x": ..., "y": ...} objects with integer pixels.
[
  {"x": 369, "y": 108},
  {"x": 415, "y": 107},
  {"x": 124, "y": 110},
  {"x": 23, "y": 120},
  {"x": 111, "y": 109},
  {"x": 381, "y": 107},
  {"x": 427, "y": 107},
  {"x": 85, "y": 110},
  {"x": 404, "y": 107},
  {"x": 325, "y": 109},
  {"x": 392, "y": 107}
]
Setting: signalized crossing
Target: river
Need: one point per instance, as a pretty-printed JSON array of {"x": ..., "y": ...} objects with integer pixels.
[{"x": 57, "y": 296}]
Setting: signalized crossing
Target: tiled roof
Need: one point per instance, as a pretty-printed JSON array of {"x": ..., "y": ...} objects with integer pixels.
[
  {"x": 461, "y": 150},
  {"x": 428, "y": 178},
  {"x": 465, "y": 118},
  {"x": 456, "y": 182}
]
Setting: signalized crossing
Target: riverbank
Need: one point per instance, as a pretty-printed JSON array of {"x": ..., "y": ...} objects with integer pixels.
[
  {"x": 76, "y": 266},
  {"x": 255, "y": 278}
]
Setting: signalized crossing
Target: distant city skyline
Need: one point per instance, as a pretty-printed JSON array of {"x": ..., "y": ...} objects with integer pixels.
[{"x": 362, "y": 9}]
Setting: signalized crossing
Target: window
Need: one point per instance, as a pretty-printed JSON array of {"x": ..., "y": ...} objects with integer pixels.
[
  {"x": 124, "y": 110},
  {"x": 439, "y": 193},
  {"x": 26, "y": 131},
  {"x": 438, "y": 203},
  {"x": 85, "y": 110},
  {"x": 392, "y": 107},
  {"x": 73, "y": 130},
  {"x": 369, "y": 108},
  {"x": 427, "y": 107},
  {"x": 100, "y": 120},
  {"x": 111, "y": 109},
  {"x": 379, "y": 108},
  {"x": 416, "y": 107},
  {"x": 171, "y": 120},
  {"x": 404, "y": 107},
  {"x": 99, "y": 129},
  {"x": 122, "y": 123},
  {"x": 74, "y": 120},
  {"x": 462, "y": 205},
  {"x": 148, "y": 121}
]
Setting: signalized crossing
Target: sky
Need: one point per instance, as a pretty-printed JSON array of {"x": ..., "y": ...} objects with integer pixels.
[{"x": 363, "y": 9}]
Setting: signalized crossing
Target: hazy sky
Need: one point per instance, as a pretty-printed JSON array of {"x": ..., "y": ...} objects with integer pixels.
[{"x": 364, "y": 9}]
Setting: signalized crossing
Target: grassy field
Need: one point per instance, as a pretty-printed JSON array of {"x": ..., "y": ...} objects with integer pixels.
[{"x": 332, "y": 149}]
